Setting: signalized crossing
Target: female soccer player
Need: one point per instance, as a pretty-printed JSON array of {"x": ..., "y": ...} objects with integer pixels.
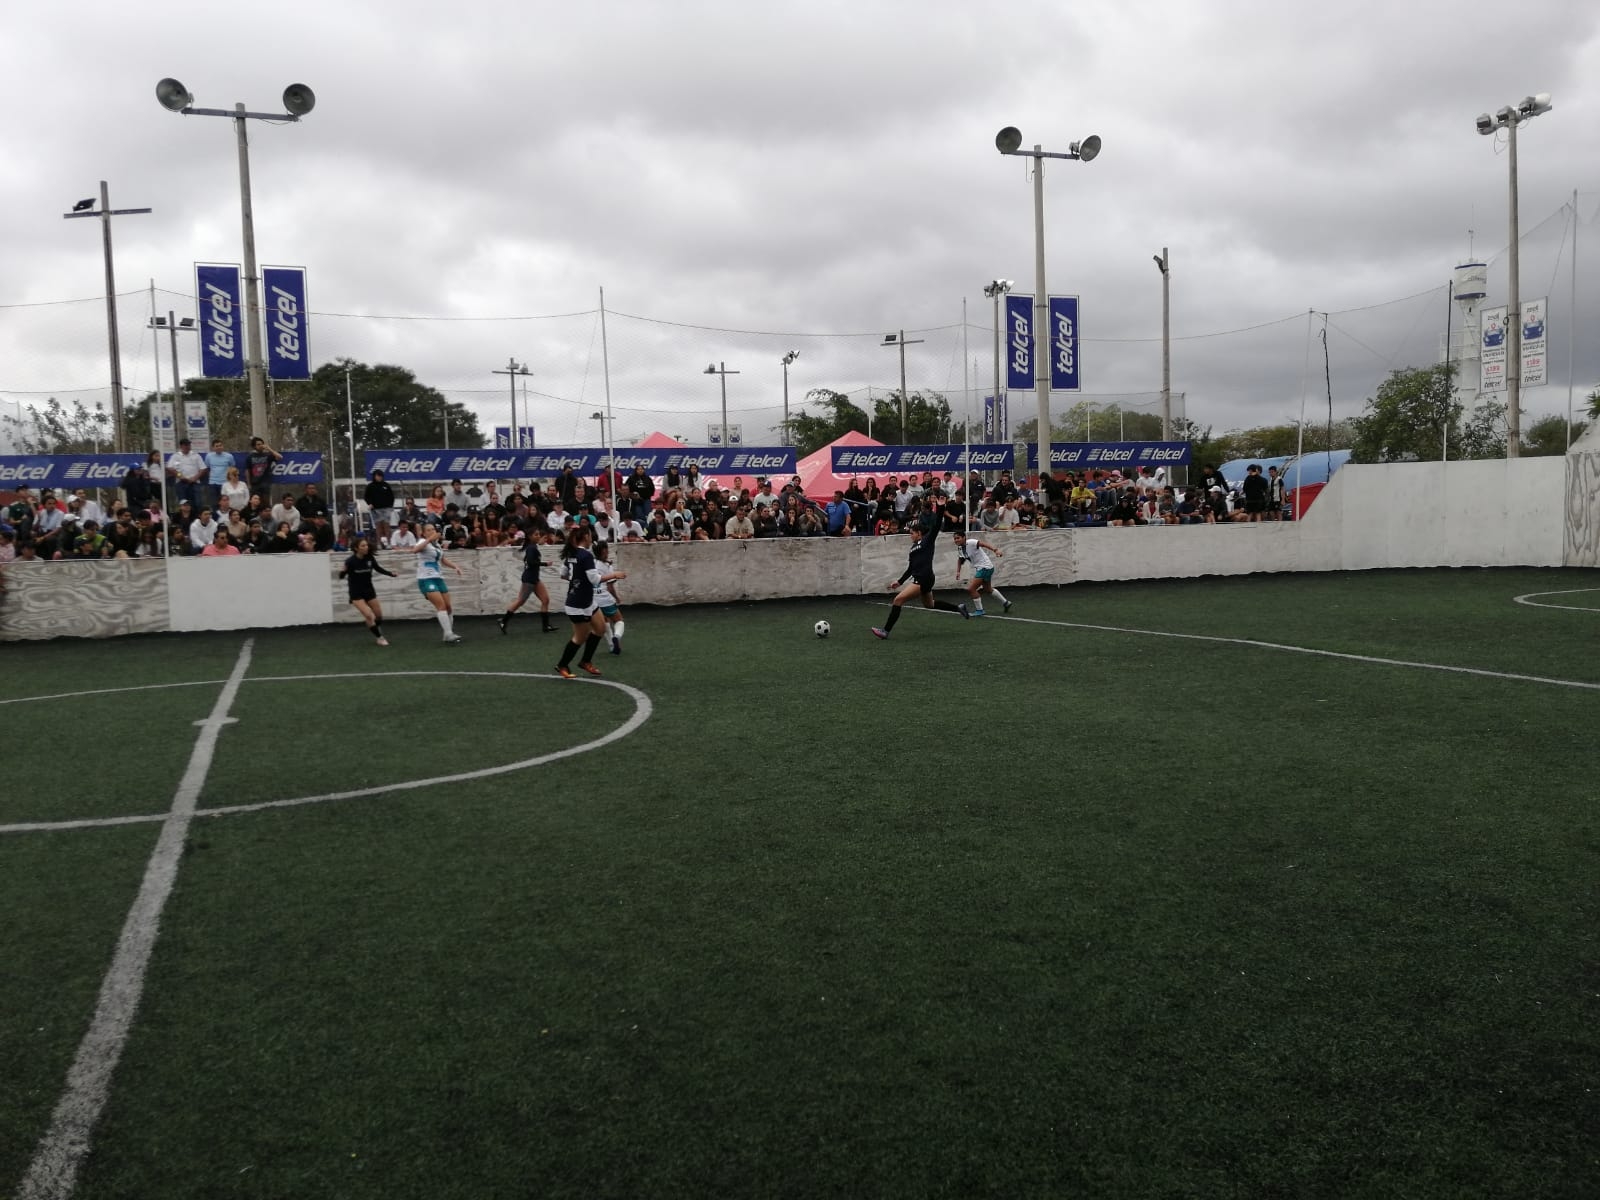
[
  {"x": 606, "y": 597},
  {"x": 430, "y": 579},
  {"x": 530, "y": 587},
  {"x": 981, "y": 555},
  {"x": 588, "y": 625},
  {"x": 919, "y": 570},
  {"x": 358, "y": 569}
]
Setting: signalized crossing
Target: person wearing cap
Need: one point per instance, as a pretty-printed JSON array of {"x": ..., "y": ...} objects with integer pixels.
[{"x": 187, "y": 468}]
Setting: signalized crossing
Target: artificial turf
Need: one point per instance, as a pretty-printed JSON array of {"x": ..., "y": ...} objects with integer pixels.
[{"x": 993, "y": 908}]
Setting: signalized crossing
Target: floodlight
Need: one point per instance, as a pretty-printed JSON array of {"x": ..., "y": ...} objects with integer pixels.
[
  {"x": 298, "y": 99},
  {"x": 1008, "y": 139},
  {"x": 790, "y": 357},
  {"x": 1506, "y": 115},
  {"x": 711, "y": 369},
  {"x": 1087, "y": 149},
  {"x": 889, "y": 339},
  {"x": 185, "y": 322},
  {"x": 1485, "y": 123},
  {"x": 173, "y": 95},
  {"x": 1532, "y": 106}
]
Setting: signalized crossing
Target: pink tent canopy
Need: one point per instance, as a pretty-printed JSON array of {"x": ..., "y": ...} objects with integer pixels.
[
  {"x": 657, "y": 441},
  {"x": 816, "y": 469}
]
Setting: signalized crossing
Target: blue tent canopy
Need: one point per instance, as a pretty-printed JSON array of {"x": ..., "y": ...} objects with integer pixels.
[
  {"x": 1314, "y": 468},
  {"x": 1234, "y": 469}
]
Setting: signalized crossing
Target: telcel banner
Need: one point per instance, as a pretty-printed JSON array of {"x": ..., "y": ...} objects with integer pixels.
[
  {"x": 69, "y": 471},
  {"x": 907, "y": 460},
  {"x": 219, "y": 295},
  {"x": 1018, "y": 334},
  {"x": 1076, "y": 455},
  {"x": 405, "y": 466},
  {"x": 1064, "y": 342},
  {"x": 288, "y": 353}
]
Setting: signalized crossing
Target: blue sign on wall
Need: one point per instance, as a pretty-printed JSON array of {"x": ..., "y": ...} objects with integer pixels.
[
  {"x": 1084, "y": 455},
  {"x": 403, "y": 466},
  {"x": 913, "y": 460}
]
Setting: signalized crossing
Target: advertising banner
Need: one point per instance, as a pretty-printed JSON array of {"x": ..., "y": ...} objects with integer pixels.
[
  {"x": 913, "y": 460},
  {"x": 502, "y": 438},
  {"x": 996, "y": 428},
  {"x": 288, "y": 353},
  {"x": 1493, "y": 334},
  {"x": 408, "y": 466},
  {"x": 197, "y": 424},
  {"x": 163, "y": 427},
  {"x": 1064, "y": 373},
  {"x": 714, "y": 435},
  {"x": 107, "y": 470},
  {"x": 1113, "y": 455},
  {"x": 219, "y": 295},
  {"x": 1018, "y": 335},
  {"x": 1533, "y": 343}
]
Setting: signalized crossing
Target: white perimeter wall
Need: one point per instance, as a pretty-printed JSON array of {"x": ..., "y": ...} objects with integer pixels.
[{"x": 1488, "y": 514}]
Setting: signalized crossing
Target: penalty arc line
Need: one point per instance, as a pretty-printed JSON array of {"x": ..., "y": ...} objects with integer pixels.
[
  {"x": 1311, "y": 650},
  {"x": 1531, "y": 599},
  {"x": 54, "y": 1170}
]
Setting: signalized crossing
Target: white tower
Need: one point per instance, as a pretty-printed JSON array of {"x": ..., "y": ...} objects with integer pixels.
[{"x": 1469, "y": 286}]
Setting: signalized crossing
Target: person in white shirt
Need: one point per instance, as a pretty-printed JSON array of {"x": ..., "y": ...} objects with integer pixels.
[
  {"x": 403, "y": 538},
  {"x": 90, "y": 509},
  {"x": 285, "y": 512},
  {"x": 234, "y": 491},
  {"x": 202, "y": 530},
  {"x": 631, "y": 531},
  {"x": 605, "y": 529},
  {"x": 185, "y": 466},
  {"x": 1008, "y": 516},
  {"x": 764, "y": 498},
  {"x": 981, "y": 555}
]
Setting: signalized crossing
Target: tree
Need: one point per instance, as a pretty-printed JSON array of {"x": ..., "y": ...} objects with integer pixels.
[
  {"x": 1594, "y": 403},
  {"x": 56, "y": 429},
  {"x": 1548, "y": 435},
  {"x": 808, "y": 433},
  {"x": 927, "y": 420},
  {"x": 1409, "y": 417},
  {"x": 1483, "y": 435}
]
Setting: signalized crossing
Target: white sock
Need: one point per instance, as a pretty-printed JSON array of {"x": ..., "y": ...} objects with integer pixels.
[
  {"x": 998, "y": 594},
  {"x": 444, "y": 621},
  {"x": 616, "y": 630}
]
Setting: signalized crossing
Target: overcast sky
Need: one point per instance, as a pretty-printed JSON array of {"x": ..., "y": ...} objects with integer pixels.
[{"x": 749, "y": 179}]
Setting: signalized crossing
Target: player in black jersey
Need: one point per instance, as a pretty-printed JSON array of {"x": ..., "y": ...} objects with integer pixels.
[
  {"x": 582, "y": 607},
  {"x": 919, "y": 571},
  {"x": 531, "y": 586},
  {"x": 358, "y": 569}
]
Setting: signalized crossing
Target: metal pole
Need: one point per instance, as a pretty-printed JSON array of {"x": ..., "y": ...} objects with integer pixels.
[
  {"x": 255, "y": 368},
  {"x": 1166, "y": 347},
  {"x": 516, "y": 430},
  {"x": 999, "y": 432},
  {"x": 1514, "y": 314},
  {"x": 1449, "y": 358},
  {"x": 1041, "y": 311},
  {"x": 966, "y": 391},
  {"x": 605, "y": 367},
  {"x": 1572, "y": 319},
  {"x": 111, "y": 320},
  {"x": 155, "y": 334},
  {"x": 902, "y": 387},
  {"x": 786, "y": 400},
  {"x": 350, "y": 416},
  {"x": 722, "y": 373},
  {"x": 511, "y": 380}
]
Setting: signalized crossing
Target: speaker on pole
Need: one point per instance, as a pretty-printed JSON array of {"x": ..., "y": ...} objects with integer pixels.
[
  {"x": 173, "y": 95},
  {"x": 298, "y": 99}
]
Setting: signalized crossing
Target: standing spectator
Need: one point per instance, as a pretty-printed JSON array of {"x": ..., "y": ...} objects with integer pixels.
[
  {"x": 568, "y": 491},
  {"x": 234, "y": 491},
  {"x": 202, "y": 530},
  {"x": 1255, "y": 493},
  {"x": 456, "y": 495},
  {"x": 285, "y": 513},
  {"x": 1275, "y": 495},
  {"x": 258, "y": 465},
  {"x": 641, "y": 490},
  {"x": 138, "y": 485},
  {"x": 381, "y": 501},
  {"x": 185, "y": 468},
  {"x": 1210, "y": 478},
  {"x": 218, "y": 464}
]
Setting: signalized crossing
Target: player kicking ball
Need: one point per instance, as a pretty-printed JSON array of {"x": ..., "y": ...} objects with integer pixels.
[
  {"x": 982, "y": 557},
  {"x": 919, "y": 572}
]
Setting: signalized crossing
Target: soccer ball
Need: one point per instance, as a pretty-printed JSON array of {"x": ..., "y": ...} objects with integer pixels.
[{"x": 822, "y": 629}]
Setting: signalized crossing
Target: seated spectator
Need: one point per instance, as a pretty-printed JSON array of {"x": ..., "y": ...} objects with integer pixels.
[
  {"x": 234, "y": 491},
  {"x": 631, "y": 531},
  {"x": 281, "y": 540},
  {"x": 435, "y": 507},
  {"x": 305, "y": 542},
  {"x": 220, "y": 546},
  {"x": 765, "y": 519},
  {"x": 812, "y": 523},
  {"x": 256, "y": 539},
  {"x": 764, "y": 497},
  {"x": 152, "y": 535},
  {"x": 740, "y": 527},
  {"x": 90, "y": 543},
  {"x": 1167, "y": 506},
  {"x": 238, "y": 528},
  {"x": 456, "y": 535},
  {"x": 681, "y": 519},
  {"x": 456, "y": 495},
  {"x": 605, "y": 528},
  {"x": 321, "y": 531},
  {"x": 311, "y": 504},
  {"x": 1006, "y": 518},
  {"x": 708, "y": 525},
  {"x": 989, "y": 515},
  {"x": 658, "y": 528},
  {"x": 121, "y": 536},
  {"x": 202, "y": 529},
  {"x": 285, "y": 513},
  {"x": 8, "y": 545},
  {"x": 404, "y": 536},
  {"x": 885, "y": 525}
]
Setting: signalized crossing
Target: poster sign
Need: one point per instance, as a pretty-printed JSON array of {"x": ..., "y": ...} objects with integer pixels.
[
  {"x": 1533, "y": 343},
  {"x": 288, "y": 354},
  {"x": 502, "y": 438},
  {"x": 197, "y": 424},
  {"x": 163, "y": 428},
  {"x": 1018, "y": 334},
  {"x": 1493, "y": 350},
  {"x": 220, "y": 298},
  {"x": 1065, "y": 375}
]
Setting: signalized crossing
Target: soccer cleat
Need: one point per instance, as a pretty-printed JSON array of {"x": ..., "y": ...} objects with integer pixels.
[
  {"x": 502, "y": 623},
  {"x": 878, "y": 632},
  {"x": 1005, "y": 606},
  {"x": 383, "y": 641},
  {"x": 548, "y": 628},
  {"x": 565, "y": 673},
  {"x": 978, "y": 612},
  {"x": 589, "y": 667},
  {"x": 452, "y": 639},
  {"x": 965, "y": 615},
  {"x": 616, "y": 645}
]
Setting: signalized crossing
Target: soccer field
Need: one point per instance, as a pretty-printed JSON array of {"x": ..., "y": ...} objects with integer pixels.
[{"x": 1264, "y": 886}]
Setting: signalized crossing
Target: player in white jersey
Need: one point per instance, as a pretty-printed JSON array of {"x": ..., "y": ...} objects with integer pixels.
[
  {"x": 981, "y": 556},
  {"x": 430, "y": 579},
  {"x": 605, "y": 596}
]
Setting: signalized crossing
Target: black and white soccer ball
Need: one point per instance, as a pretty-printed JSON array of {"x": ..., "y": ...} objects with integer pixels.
[{"x": 822, "y": 629}]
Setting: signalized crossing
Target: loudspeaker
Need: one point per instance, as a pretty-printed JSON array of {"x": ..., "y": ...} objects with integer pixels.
[
  {"x": 298, "y": 99},
  {"x": 1089, "y": 147},
  {"x": 173, "y": 95},
  {"x": 1008, "y": 139}
]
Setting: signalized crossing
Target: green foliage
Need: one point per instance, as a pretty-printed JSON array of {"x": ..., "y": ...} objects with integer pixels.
[
  {"x": 1548, "y": 436},
  {"x": 927, "y": 419},
  {"x": 1594, "y": 403},
  {"x": 838, "y": 416},
  {"x": 57, "y": 429},
  {"x": 1409, "y": 418}
]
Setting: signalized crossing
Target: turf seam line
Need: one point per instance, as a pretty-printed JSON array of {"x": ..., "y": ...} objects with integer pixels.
[{"x": 54, "y": 1171}]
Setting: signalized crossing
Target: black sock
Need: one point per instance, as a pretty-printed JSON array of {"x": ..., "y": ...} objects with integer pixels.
[
  {"x": 588, "y": 647},
  {"x": 377, "y": 629},
  {"x": 544, "y": 619},
  {"x": 894, "y": 615},
  {"x": 946, "y": 606},
  {"x": 567, "y": 652},
  {"x": 505, "y": 617}
]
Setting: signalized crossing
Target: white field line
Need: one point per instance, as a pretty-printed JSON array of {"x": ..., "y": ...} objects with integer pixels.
[
  {"x": 1531, "y": 599},
  {"x": 642, "y": 709},
  {"x": 1288, "y": 649},
  {"x": 54, "y": 1170},
  {"x": 142, "y": 687}
]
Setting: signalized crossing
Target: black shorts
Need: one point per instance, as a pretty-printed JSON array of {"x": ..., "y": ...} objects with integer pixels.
[
  {"x": 363, "y": 593},
  {"x": 925, "y": 582},
  {"x": 530, "y": 577},
  {"x": 1255, "y": 506}
]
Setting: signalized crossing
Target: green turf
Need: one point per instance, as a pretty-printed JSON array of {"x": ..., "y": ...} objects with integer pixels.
[{"x": 993, "y": 908}]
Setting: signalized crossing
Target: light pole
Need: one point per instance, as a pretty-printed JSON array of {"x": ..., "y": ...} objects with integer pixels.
[
  {"x": 994, "y": 291},
  {"x": 1009, "y": 141},
  {"x": 1508, "y": 118},
  {"x": 1164, "y": 265},
  {"x": 298, "y": 100},
  {"x": 513, "y": 369},
  {"x": 721, "y": 369},
  {"x": 86, "y": 208},
  {"x": 788, "y": 359},
  {"x": 173, "y": 326},
  {"x": 900, "y": 340}
]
